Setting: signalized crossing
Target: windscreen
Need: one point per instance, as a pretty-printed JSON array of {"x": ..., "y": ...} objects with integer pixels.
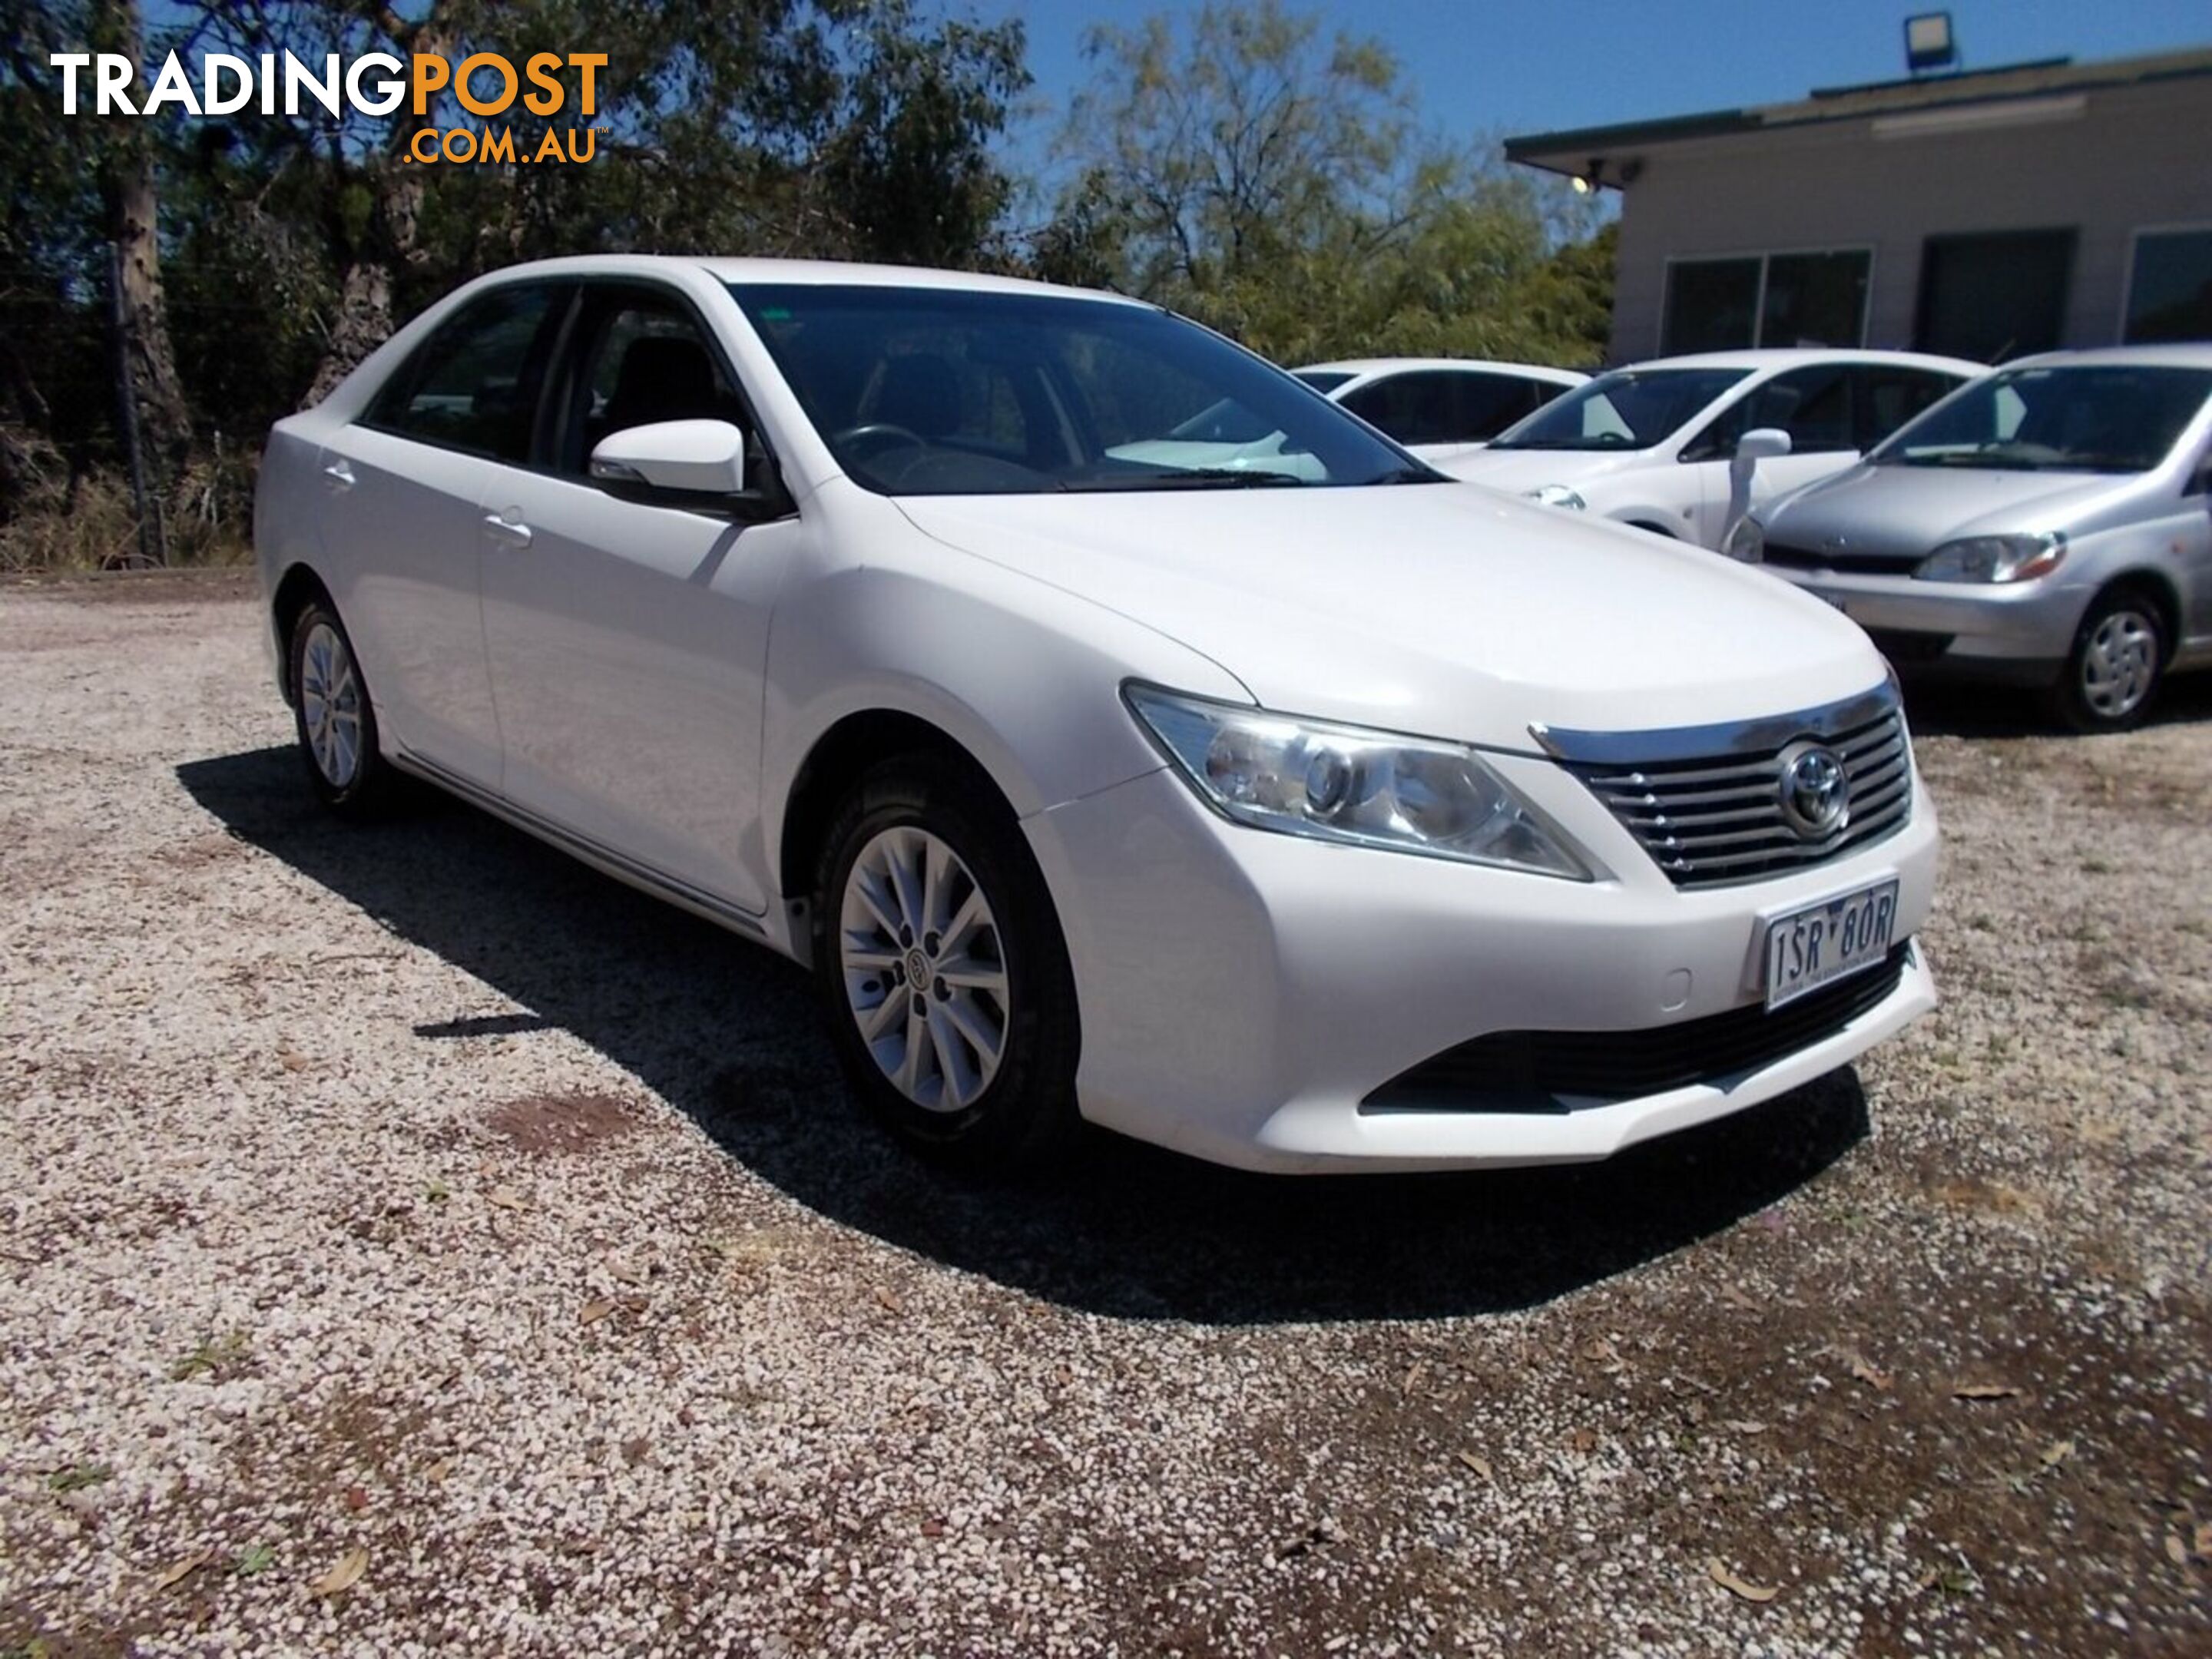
[
  {"x": 941, "y": 391},
  {"x": 2077, "y": 419}
]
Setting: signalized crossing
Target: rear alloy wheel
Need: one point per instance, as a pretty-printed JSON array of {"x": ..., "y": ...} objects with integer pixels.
[
  {"x": 935, "y": 943},
  {"x": 333, "y": 716},
  {"x": 2118, "y": 655}
]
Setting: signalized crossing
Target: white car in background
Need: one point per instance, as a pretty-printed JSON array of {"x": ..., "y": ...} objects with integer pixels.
[
  {"x": 1436, "y": 407},
  {"x": 1650, "y": 445},
  {"x": 1439, "y": 407},
  {"x": 1352, "y": 821}
]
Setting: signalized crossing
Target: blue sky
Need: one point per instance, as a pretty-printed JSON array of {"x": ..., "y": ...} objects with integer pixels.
[{"x": 1516, "y": 66}]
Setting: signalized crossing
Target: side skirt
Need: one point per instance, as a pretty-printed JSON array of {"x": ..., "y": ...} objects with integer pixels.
[{"x": 602, "y": 858}]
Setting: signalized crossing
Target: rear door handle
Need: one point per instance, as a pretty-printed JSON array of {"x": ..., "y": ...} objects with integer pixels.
[
  {"x": 339, "y": 474},
  {"x": 515, "y": 535}
]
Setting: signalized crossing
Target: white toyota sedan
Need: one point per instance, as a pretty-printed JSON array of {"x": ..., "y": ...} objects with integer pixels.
[
  {"x": 1649, "y": 445},
  {"x": 1341, "y": 818}
]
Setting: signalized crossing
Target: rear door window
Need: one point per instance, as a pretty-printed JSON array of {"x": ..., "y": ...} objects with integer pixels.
[{"x": 473, "y": 385}]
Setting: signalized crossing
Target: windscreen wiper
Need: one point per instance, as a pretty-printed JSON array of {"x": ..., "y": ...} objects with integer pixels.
[{"x": 1190, "y": 477}]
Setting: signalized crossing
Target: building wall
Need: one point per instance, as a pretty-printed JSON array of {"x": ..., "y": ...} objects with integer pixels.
[{"x": 2130, "y": 158}]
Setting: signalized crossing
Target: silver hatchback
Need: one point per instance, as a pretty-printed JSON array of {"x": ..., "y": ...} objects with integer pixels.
[{"x": 2049, "y": 525}]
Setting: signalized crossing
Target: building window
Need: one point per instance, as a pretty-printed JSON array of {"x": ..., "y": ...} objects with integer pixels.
[
  {"x": 2170, "y": 291},
  {"x": 1767, "y": 299},
  {"x": 1995, "y": 295}
]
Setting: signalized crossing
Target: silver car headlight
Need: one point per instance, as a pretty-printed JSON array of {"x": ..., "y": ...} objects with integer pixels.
[
  {"x": 1994, "y": 559},
  {"x": 1556, "y": 496},
  {"x": 1343, "y": 783}
]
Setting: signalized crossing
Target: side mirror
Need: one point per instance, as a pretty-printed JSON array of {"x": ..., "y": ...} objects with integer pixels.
[
  {"x": 702, "y": 465},
  {"x": 1762, "y": 443}
]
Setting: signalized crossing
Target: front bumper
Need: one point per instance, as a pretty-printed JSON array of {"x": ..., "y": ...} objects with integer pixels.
[
  {"x": 1243, "y": 992},
  {"x": 2003, "y": 631}
]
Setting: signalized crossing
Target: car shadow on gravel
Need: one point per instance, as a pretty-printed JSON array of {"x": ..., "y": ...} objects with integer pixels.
[
  {"x": 731, "y": 1035},
  {"x": 1953, "y": 709}
]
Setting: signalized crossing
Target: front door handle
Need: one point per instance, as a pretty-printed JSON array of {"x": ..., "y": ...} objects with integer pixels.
[
  {"x": 340, "y": 474},
  {"x": 513, "y": 534}
]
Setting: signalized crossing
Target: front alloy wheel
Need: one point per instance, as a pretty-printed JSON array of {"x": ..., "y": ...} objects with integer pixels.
[
  {"x": 924, "y": 972},
  {"x": 952, "y": 1005}
]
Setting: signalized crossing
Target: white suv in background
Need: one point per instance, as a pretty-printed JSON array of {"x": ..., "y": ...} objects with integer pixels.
[
  {"x": 1337, "y": 818},
  {"x": 1649, "y": 445}
]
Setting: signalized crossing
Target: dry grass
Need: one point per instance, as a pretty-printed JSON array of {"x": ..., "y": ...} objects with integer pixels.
[{"x": 59, "y": 522}]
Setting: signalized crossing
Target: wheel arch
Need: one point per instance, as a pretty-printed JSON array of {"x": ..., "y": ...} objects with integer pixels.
[
  {"x": 298, "y": 588},
  {"x": 2159, "y": 588},
  {"x": 837, "y": 759}
]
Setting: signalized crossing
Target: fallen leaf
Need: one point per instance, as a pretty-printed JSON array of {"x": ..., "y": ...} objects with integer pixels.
[
  {"x": 1736, "y": 1586},
  {"x": 1413, "y": 1376},
  {"x": 1866, "y": 1371},
  {"x": 176, "y": 1572},
  {"x": 630, "y": 1272},
  {"x": 1744, "y": 1425},
  {"x": 2176, "y": 1551},
  {"x": 505, "y": 1197},
  {"x": 890, "y": 1303},
  {"x": 439, "y": 1470},
  {"x": 342, "y": 1577},
  {"x": 593, "y": 1312},
  {"x": 1738, "y": 1298},
  {"x": 2056, "y": 1453},
  {"x": 1599, "y": 1351},
  {"x": 932, "y": 1527},
  {"x": 1584, "y": 1440},
  {"x": 357, "y": 1497},
  {"x": 1479, "y": 1464},
  {"x": 1984, "y": 1391}
]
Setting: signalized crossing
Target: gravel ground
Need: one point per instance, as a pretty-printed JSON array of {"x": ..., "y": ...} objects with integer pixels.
[{"x": 415, "y": 1242}]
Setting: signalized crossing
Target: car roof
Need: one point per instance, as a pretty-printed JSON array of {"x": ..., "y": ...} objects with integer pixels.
[
  {"x": 2178, "y": 355},
  {"x": 823, "y": 272},
  {"x": 1373, "y": 366},
  {"x": 1777, "y": 358}
]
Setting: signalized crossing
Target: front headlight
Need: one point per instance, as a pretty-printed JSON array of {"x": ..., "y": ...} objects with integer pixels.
[
  {"x": 1748, "y": 541},
  {"x": 1342, "y": 783},
  {"x": 1994, "y": 559},
  {"x": 1556, "y": 496}
]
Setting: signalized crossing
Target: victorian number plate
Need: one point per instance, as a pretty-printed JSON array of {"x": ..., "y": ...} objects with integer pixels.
[{"x": 1828, "y": 941}]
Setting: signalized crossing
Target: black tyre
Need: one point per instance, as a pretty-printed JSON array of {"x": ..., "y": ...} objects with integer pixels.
[
  {"x": 334, "y": 717},
  {"x": 2112, "y": 673},
  {"x": 951, "y": 1004}
]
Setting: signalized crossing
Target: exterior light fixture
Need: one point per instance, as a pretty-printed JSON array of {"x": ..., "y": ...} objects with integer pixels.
[{"x": 1930, "y": 43}]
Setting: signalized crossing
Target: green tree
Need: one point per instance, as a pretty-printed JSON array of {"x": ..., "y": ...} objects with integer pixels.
[{"x": 1272, "y": 180}]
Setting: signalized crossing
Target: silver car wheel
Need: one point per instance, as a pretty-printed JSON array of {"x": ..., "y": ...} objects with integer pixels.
[
  {"x": 923, "y": 968},
  {"x": 330, "y": 705},
  {"x": 2119, "y": 663}
]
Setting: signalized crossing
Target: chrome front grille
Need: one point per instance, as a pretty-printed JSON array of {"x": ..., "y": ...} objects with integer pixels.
[{"x": 1707, "y": 803}]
